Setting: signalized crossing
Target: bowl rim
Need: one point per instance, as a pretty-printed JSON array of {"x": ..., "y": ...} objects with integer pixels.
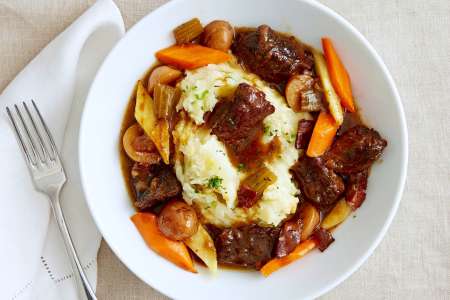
[{"x": 404, "y": 141}]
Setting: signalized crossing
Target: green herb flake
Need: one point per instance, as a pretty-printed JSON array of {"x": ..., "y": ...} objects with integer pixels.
[
  {"x": 202, "y": 96},
  {"x": 215, "y": 182}
]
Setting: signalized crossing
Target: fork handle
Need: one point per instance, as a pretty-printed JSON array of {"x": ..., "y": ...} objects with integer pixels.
[{"x": 85, "y": 290}]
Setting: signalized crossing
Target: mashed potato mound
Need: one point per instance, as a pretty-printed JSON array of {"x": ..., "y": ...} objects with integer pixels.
[{"x": 210, "y": 181}]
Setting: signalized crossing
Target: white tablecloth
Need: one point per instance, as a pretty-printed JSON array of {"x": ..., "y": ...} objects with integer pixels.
[{"x": 413, "y": 38}]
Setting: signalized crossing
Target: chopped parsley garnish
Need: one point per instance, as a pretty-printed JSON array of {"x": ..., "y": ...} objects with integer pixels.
[
  {"x": 215, "y": 182},
  {"x": 202, "y": 95},
  {"x": 241, "y": 167},
  {"x": 212, "y": 205},
  {"x": 290, "y": 138}
]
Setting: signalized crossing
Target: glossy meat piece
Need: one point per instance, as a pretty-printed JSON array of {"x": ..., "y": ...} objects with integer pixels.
[
  {"x": 272, "y": 56},
  {"x": 153, "y": 184},
  {"x": 323, "y": 238},
  {"x": 355, "y": 193},
  {"x": 355, "y": 150},
  {"x": 318, "y": 184},
  {"x": 236, "y": 123},
  {"x": 246, "y": 197},
  {"x": 290, "y": 236},
  {"x": 247, "y": 246},
  {"x": 304, "y": 132}
]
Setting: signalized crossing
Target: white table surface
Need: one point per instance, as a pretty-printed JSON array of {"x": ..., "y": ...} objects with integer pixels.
[{"x": 413, "y": 38}]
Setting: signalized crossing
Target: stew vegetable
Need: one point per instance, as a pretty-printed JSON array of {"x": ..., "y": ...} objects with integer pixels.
[{"x": 272, "y": 166}]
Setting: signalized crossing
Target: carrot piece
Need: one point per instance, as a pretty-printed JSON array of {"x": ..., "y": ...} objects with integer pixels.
[
  {"x": 276, "y": 263},
  {"x": 191, "y": 56},
  {"x": 322, "y": 136},
  {"x": 176, "y": 252},
  {"x": 338, "y": 74}
]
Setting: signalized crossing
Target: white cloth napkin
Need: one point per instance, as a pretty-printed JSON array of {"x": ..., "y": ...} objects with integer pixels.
[{"x": 33, "y": 261}]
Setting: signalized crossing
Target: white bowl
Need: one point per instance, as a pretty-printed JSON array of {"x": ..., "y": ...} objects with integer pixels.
[{"x": 104, "y": 185}]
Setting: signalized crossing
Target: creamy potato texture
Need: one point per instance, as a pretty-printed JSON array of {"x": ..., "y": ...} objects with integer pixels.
[{"x": 210, "y": 181}]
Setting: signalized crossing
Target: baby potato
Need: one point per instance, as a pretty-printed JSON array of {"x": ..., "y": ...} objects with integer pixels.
[
  {"x": 138, "y": 146},
  {"x": 177, "y": 220},
  {"x": 163, "y": 75},
  {"x": 311, "y": 218},
  {"x": 218, "y": 35},
  {"x": 337, "y": 215},
  {"x": 294, "y": 88}
]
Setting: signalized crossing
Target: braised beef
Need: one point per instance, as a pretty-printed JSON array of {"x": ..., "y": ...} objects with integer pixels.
[
  {"x": 236, "y": 123},
  {"x": 249, "y": 246},
  {"x": 290, "y": 236},
  {"x": 355, "y": 150},
  {"x": 355, "y": 193},
  {"x": 304, "y": 132},
  {"x": 323, "y": 238},
  {"x": 271, "y": 55},
  {"x": 246, "y": 197},
  {"x": 318, "y": 184},
  {"x": 153, "y": 184}
]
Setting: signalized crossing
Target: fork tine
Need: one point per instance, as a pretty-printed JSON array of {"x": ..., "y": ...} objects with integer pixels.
[
  {"x": 47, "y": 131},
  {"x": 19, "y": 137},
  {"x": 44, "y": 149},
  {"x": 28, "y": 135}
]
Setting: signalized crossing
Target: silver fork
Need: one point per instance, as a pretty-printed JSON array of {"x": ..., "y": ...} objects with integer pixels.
[{"x": 47, "y": 173}]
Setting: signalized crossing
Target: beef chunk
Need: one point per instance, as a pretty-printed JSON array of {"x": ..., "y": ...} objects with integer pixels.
[
  {"x": 272, "y": 56},
  {"x": 319, "y": 184},
  {"x": 249, "y": 246},
  {"x": 304, "y": 132},
  {"x": 355, "y": 150},
  {"x": 236, "y": 123},
  {"x": 246, "y": 197},
  {"x": 153, "y": 184},
  {"x": 323, "y": 238},
  {"x": 355, "y": 193},
  {"x": 290, "y": 235}
]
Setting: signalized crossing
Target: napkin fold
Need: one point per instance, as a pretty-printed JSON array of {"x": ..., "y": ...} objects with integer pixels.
[{"x": 32, "y": 255}]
